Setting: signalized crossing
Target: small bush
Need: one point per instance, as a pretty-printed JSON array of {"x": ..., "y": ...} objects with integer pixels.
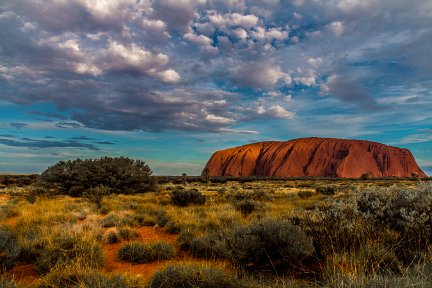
[
  {"x": 97, "y": 194},
  {"x": 65, "y": 250},
  {"x": 325, "y": 190},
  {"x": 207, "y": 247},
  {"x": 246, "y": 207},
  {"x": 267, "y": 244},
  {"x": 9, "y": 248},
  {"x": 192, "y": 276},
  {"x": 128, "y": 233},
  {"x": 184, "y": 198},
  {"x": 138, "y": 252},
  {"x": 112, "y": 237},
  {"x": 305, "y": 194},
  {"x": 118, "y": 219}
]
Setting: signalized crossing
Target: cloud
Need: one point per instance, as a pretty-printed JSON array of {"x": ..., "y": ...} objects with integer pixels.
[
  {"x": 349, "y": 90},
  {"x": 36, "y": 143},
  {"x": 196, "y": 65},
  {"x": 201, "y": 41},
  {"x": 336, "y": 27},
  {"x": 18, "y": 126},
  {"x": 177, "y": 13},
  {"x": 66, "y": 125},
  {"x": 232, "y": 20},
  {"x": 424, "y": 136},
  {"x": 260, "y": 75}
]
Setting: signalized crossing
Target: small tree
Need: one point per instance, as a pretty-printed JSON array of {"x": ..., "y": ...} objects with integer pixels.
[{"x": 206, "y": 174}]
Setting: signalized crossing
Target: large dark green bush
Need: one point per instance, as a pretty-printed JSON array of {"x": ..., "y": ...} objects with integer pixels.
[
  {"x": 120, "y": 175},
  {"x": 183, "y": 198},
  {"x": 267, "y": 244}
]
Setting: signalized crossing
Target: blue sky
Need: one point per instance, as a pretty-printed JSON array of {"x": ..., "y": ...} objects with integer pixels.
[{"x": 172, "y": 81}]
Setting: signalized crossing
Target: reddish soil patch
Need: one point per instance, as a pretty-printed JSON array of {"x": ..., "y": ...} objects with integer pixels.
[
  {"x": 24, "y": 274},
  {"x": 146, "y": 234},
  {"x": 11, "y": 221},
  {"x": 4, "y": 198}
]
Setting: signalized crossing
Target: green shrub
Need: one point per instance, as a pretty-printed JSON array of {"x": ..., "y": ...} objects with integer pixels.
[
  {"x": 128, "y": 233},
  {"x": 404, "y": 210},
  {"x": 207, "y": 247},
  {"x": 326, "y": 190},
  {"x": 112, "y": 237},
  {"x": 138, "y": 252},
  {"x": 97, "y": 194},
  {"x": 267, "y": 244},
  {"x": 305, "y": 194},
  {"x": 183, "y": 198},
  {"x": 65, "y": 250},
  {"x": 246, "y": 206},
  {"x": 116, "y": 219},
  {"x": 9, "y": 248},
  {"x": 192, "y": 276},
  {"x": 121, "y": 175}
]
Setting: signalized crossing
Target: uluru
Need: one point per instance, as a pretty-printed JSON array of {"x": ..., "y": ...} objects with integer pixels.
[{"x": 314, "y": 157}]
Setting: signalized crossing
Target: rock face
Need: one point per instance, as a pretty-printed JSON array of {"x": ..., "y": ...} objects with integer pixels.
[{"x": 323, "y": 157}]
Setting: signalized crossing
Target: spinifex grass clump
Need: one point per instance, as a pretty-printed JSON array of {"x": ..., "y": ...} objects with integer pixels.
[
  {"x": 138, "y": 252},
  {"x": 65, "y": 250},
  {"x": 81, "y": 276},
  {"x": 194, "y": 275}
]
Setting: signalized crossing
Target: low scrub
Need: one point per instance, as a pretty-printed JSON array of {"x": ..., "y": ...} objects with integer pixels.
[
  {"x": 78, "y": 276},
  {"x": 66, "y": 250},
  {"x": 267, "y": 244},
  {"x": 9, "y": 248},
  {"x": 184, "y": 198},
  {"x": 192, "y": 276},
  {"x": 138, "y": 252}
]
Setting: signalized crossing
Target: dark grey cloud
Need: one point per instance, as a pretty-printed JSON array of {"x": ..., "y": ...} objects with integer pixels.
[
  {"x": 349, "y": 90},
  {"x": 85, "y": 138},
  {"x": 66, "y": 125},
  {"x": 8, "y": 136},
  {"x": 18, "y": 126},
  {"x": 105, "y": 143},
  {"x": 49, "y": 115},
  {"x": 36, "y": 143}
]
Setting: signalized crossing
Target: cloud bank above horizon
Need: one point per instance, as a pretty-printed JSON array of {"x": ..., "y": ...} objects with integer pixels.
[{"x": 174, "y": 80}]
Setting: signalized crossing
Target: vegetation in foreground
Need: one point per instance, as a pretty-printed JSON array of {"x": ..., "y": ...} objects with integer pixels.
[{"x": 280, "y": 233}]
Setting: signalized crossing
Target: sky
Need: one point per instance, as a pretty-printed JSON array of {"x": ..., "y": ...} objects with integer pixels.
[{"x": 172, "y": 81}]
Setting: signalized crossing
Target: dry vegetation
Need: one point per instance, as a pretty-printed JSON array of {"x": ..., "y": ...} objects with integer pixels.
[{"x": 272, "y": 233}]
